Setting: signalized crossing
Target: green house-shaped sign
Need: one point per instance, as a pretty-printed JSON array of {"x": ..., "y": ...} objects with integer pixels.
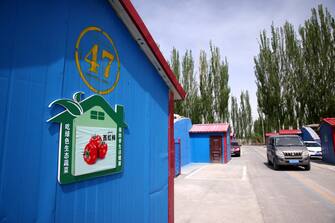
[{"x": 91, "y": 138}]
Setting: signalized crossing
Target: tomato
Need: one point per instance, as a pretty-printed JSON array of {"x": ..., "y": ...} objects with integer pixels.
[
  {"x": 90, "y": 153},
  {"x": 102, "y": 150},
  {"x": 96, "y": 140}
]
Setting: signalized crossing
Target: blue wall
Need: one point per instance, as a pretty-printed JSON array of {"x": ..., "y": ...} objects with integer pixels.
[
  {"x": 327, "y": 143},
  {"x": 200, "y": 148},
  {"x": 36, "y": 67},
  {"x": 181, "y": 128}
]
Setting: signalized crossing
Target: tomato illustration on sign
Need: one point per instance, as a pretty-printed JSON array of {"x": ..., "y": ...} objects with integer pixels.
[
  {"x": 90, "y": 153},
  {"x": 95, "y": 148},
  {"x": 102, "y": 150},
  {"x": 96, "y": 140}
]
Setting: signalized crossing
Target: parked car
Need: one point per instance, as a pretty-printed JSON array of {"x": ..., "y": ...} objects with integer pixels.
[
  {"x": 284, "y": 150},
  {"x": 314, "y": 149},
  {"x": 235, "y": 148}
]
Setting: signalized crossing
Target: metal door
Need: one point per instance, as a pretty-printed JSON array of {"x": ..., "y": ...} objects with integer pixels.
[{"x": 216, "y": 149}]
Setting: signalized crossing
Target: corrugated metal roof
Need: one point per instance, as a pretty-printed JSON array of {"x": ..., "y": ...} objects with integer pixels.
[
  {"x": 203, "y": 128},
  {"x": 330, "y": 121},
  {"x": 289, "y": 132},
  {"x": 271, "y": 134}
]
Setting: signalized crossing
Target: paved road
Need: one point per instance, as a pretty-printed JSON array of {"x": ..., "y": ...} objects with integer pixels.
[{"x": 248, "y": 190}]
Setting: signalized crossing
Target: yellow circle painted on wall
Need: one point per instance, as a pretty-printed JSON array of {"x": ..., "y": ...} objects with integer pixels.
[{"x": 97, "y": 60}]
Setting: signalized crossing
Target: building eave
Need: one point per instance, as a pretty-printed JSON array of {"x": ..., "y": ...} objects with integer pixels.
[{"x": 128, "y": 14}]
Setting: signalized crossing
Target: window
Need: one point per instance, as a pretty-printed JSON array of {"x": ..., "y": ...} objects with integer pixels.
[
  {"x": 312, "y": 144},
  {"x": 97, "y": 115},
  {"x": 288, "y": 141},
  {"x": 101, "y": 116}
]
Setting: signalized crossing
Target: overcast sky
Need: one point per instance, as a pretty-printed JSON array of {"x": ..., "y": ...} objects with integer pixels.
[{"x": 233, "y": 26}]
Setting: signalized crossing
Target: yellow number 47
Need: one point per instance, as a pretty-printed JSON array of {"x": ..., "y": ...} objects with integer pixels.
[{"x": 94, "y": 58}]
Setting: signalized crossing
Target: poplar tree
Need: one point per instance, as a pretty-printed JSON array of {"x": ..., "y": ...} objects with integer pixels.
[
  {"x": 207, "y": 99},
  {"x": 243, "y": 116},
  {"x": 224, "y": 92},
  {"x": 249, "y": 122},
  {"x": 318, "y": 50},
  {"x": 235, "y": 116},
  {"x": 175, "y": 66},
  {"x": 205, "y": 89},
  {"x": 295, "y": 74},
  {"x": 191, "y": 104},
  {"x": 218, "y": 77}
]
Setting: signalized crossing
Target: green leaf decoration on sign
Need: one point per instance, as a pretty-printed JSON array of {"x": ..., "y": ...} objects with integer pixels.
[
  {"x": 73, "y": 107},
  {"x": 77, "y": 96}
]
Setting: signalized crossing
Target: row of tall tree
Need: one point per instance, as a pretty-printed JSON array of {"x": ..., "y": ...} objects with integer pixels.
[
  {"x": 241, "y": 116},
  {"x": 208, "y": 92},
  {"x": 295, "y": 73},
  {"x": 208, "y": 95}
]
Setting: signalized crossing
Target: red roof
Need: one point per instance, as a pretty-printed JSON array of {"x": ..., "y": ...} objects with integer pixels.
[
  {"x": 136, "y": 26},
  {"x": 330, "y": 121},
  {"x": 289, "y": 132},
  {"x": 206, "y": 128},
  {"x": 271, "y": 134}
]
